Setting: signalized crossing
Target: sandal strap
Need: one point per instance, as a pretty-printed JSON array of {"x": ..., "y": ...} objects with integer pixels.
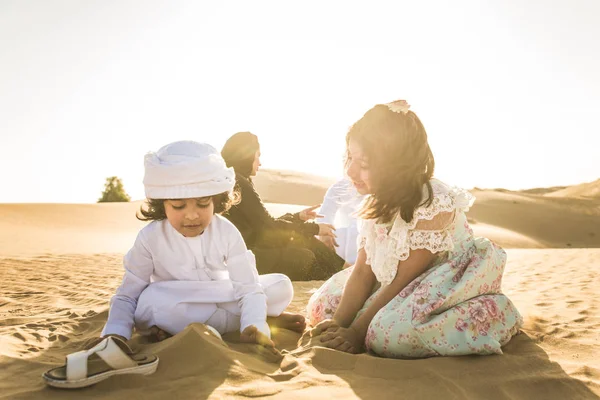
[{"x": 108, "y": 350}]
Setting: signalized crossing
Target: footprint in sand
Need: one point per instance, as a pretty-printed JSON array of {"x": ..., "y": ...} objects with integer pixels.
[
  {"x": 61, "y": 338},
  {"x": 553, "y": 331},
  {"x": 83, "y": 326},
  {"x": 38, "y": 326},
  {"x": 572, "y": 303},
  {"x": 565, "y": 335}
]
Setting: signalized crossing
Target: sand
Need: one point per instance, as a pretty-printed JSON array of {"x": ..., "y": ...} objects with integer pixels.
[
  {"x": 60, "y": 263},
  {"x": 284, "y": 187},
  {"x": 589, "y": 190}
]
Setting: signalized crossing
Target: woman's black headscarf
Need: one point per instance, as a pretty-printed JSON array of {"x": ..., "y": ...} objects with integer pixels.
[{"x": 239, "y": 152}]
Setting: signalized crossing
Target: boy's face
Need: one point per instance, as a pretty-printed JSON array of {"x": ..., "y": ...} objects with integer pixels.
[{"x": 190, "y": 217}]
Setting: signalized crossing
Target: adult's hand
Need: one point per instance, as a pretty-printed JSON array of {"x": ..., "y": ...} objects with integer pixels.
[
  {"x": 329, "y": 242},
  {"x": 327, "y": 230},
  {"x": 309, "y": 213}
]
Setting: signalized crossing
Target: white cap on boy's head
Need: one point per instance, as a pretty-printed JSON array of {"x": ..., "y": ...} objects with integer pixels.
[{"x": 184, "y": 170}]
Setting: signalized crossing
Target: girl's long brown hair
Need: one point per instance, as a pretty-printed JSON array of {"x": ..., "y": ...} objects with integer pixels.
[{"x": 400, "y": 162}]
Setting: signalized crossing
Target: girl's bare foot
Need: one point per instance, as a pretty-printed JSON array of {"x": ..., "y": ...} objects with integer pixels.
[
  {"x": 252, "y": 335},
  {"x": 293, "y": 322},
  {"x": 158, "y": 335}
]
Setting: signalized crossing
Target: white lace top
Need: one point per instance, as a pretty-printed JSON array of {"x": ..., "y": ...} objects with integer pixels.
[{"x": 431, "y": 229}]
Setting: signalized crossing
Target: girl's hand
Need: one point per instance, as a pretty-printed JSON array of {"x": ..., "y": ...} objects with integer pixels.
[
  {"x": 327, "y": 325},
  {"x": 309, "y": 213},
  {"x": 343, "y": 339},
  {"x": 252, "y": 335}
]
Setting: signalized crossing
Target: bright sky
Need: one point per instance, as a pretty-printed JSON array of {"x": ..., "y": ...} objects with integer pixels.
[{"x": 509, "y": 91}]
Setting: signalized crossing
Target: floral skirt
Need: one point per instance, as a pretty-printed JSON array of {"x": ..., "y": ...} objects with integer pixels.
[{"x": 454, "y": 308}]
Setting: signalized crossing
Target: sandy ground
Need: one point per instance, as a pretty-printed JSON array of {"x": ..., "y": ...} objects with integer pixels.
[{"x": 60, "y": 264}]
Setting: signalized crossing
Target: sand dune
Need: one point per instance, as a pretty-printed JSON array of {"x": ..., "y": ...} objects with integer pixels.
[
  {"x": 585, "y": 190},
  {"x": 33, "y": 229},
  {"x": 539, "y": 218},
  {"x": 512, "y": 219},
  {"x": 68, "y": 228},
  {"x": 554, "y": 222},
  {"x": 290, "y": 187},
  {"x": 545, "y": 190},
  {"x": 60, "y": 264}
]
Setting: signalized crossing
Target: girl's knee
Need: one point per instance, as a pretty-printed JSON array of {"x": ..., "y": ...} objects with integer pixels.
[
  {"x": 375, "y": 338},
  {"x": 394, "y": 339},
  {"x": 322, "y": 306}
]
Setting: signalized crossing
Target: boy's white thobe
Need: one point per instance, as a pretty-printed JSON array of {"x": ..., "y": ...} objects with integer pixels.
[
  {"x": 339, "y": 206},
  {"x": 171, "y": 281}
]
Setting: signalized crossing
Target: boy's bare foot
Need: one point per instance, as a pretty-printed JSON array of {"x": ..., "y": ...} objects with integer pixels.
[
  {"x": 293, "y": 322},
  {"x": 266, "y": 346},
  {"x": 158, "y": 335}
]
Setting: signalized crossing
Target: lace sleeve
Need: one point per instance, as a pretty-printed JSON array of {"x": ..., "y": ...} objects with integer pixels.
[
  {"x": 434, "y": 234},
  {"x": 431, "y": 227}
]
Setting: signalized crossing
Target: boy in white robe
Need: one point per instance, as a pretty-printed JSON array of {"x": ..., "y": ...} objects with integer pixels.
[
  {"x": 190, "y": 264},
  {"x": 339, "y": 206}
]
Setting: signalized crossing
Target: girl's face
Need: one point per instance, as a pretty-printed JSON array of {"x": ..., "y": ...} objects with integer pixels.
[
  {"x": 256, "y": 163},
  {"x": 190, "y": 217},
  {"x": 357, "y": 168}
]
